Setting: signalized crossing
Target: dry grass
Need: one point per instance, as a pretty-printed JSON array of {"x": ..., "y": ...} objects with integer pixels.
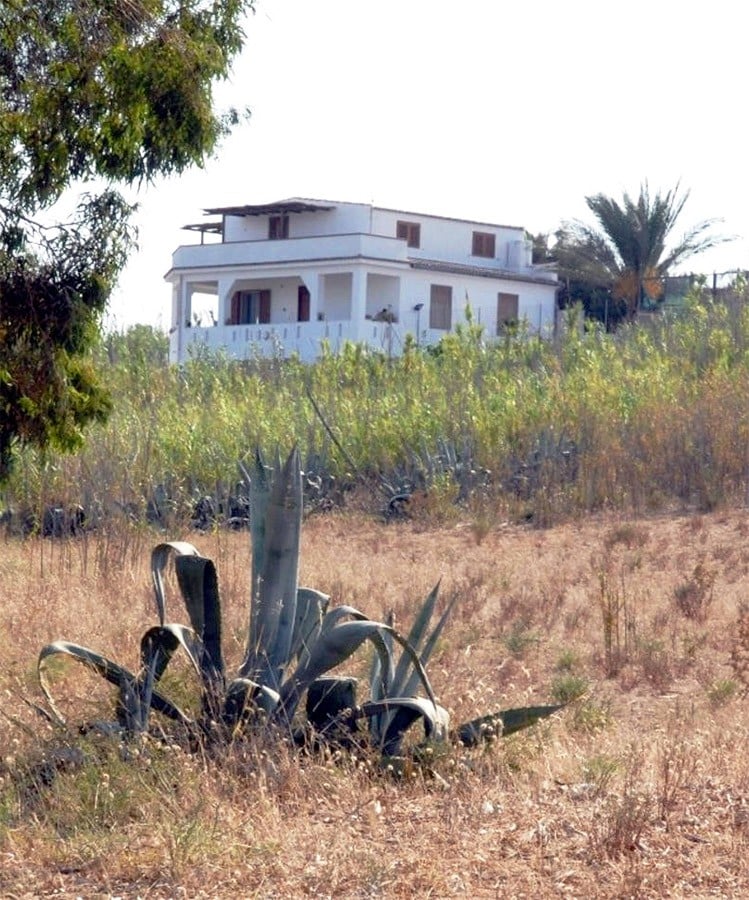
[{"x": 640, "y": 788}]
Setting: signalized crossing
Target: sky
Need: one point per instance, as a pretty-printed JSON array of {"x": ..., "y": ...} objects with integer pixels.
[{"x": 488, "y": 110}]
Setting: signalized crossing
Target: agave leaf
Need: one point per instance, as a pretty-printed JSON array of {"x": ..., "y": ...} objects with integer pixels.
[
  {"x": 311, "y": 606},
  {"x": 273, "y": 608},
  {"x": 198, "y": 583},
  {"x": 402, "y": 712},
  {"x": 159, "y": 644},
  {"x": 281, "y": 576},
  {"x": 410, "y": 686},
  {"x": 259, "y": 481},
  {"x": 111, "y": 671},
  {"x": 160, "y": 556},
  {"x": 333, "y": 645},
  {"x": 242, "y": 694},
  {"x": 402, "y": 685},
  {"x": 503, "y": 723},
  {"x": 421, "y": 622},
  {"x": 379, "y": 679}
]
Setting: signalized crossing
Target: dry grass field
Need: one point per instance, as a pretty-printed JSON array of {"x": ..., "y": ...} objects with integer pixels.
[{"x": 639, "y": 788}]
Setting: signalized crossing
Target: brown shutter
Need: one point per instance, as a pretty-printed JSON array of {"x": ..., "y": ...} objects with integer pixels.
[
  {"x": 234, "y": 311},
  {"x": 264, "y": 312}
]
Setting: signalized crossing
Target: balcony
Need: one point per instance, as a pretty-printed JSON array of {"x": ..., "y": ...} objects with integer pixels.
[{"x": 290, "y": 251}]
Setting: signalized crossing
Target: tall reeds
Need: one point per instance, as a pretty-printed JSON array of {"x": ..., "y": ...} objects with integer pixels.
[{"x": 648, "y": 417}]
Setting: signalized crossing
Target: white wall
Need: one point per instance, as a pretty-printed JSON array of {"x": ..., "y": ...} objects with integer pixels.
[
  {"x": 448, "y": 239},
  {"x": 383, "y": 291},
  {"x": 335, "y": 299},
  {"x": 536, "y": 302},
  {"x": 345, "y": 218}
]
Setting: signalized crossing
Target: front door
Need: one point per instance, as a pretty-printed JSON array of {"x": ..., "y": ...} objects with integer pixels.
[{"x": 302, "y": 304}]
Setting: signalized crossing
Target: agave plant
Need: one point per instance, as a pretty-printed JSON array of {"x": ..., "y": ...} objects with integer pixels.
[{"x": 293, "y": 641}]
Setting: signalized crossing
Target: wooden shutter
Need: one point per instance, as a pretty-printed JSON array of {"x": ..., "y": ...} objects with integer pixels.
[
  {"x": 278, "y": 227},
  {"x": 484, "y": 244},
  {"x": 507, "y": 310},
  {"x": 264, "y": 310},
  {"x": 440, "y": 307},
  {"x": 234, "y": 310},
  {"x": 410, "y": 232}
]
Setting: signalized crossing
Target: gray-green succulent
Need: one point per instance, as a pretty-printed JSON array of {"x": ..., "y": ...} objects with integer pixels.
[{"x": 294, "y": 640}]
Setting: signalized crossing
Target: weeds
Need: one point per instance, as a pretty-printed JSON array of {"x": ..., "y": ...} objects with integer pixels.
[
  {"x": 695, "y": 595},
  {"x": 722, "y": 691},
  {"x": 565, "y": 808},
  {"x": 619, "y": 622},
  {"x": 566, "y": 688},
  {"x": 625, "y": 816},
  {"x": 740, "y": 649},
  {"x": 519, "y": 638}
]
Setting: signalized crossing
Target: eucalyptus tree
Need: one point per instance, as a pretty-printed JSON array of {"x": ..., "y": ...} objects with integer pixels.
[
  {"x": 629, "y": 250},
  {"x": 94, "y": 96}
]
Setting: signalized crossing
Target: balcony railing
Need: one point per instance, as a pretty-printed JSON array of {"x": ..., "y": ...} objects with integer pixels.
[
  {"x": 302, "y": 338},
  {"x": 291, "y": 250}
]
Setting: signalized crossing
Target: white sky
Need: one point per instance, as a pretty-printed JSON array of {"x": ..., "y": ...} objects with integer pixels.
[{"x": 480, "y": 109}]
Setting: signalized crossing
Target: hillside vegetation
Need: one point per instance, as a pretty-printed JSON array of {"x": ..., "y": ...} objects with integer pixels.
[
  {"x": 647, "y": 418},
  {"x": 628, "y": 607}
]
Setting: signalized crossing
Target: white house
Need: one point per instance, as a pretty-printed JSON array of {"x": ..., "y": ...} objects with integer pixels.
[{"x": 285, "y": 276}]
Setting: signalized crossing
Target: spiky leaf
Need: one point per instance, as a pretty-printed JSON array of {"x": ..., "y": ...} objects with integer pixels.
[
  {"x": 273, "y": 608},
  {"x": 502, "y": 723},
  {"x": 311, "y": 606}
]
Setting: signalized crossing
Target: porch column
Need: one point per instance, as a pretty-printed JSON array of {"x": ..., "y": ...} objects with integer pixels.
[
  {"x": 358, "y": 301},
  {"x": 224, "y": 288},
  {"x": 184, "y": 317},
  {"x": 175, "y": 329}
]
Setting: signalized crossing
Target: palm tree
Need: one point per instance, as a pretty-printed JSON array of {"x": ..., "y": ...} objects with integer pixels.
[{"x": 627, "y": 252}]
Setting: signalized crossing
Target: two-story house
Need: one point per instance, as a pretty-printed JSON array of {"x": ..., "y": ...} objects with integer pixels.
[{"x": 285, "y": 276}]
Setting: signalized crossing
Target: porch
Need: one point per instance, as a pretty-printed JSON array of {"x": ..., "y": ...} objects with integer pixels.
[
  {"x": 286, "y": 339},
  {"x": 291, "y": 313}
]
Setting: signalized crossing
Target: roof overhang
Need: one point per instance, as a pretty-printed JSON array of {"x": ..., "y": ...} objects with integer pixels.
[
  {"x": 431, "y": 265},
  {"x": 280, "y": 208},
  {"x": 205, "y": 227}
]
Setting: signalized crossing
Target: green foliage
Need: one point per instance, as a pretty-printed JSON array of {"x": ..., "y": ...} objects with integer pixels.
[
  {"x": 566, "y": 688},
  {"x": 116, "y": 92},
  {"x": 294, "y": 640},
  {"x": 650, "y": 417}
]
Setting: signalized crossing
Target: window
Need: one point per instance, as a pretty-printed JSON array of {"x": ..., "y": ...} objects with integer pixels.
[
  {"x": 278, "y": 227},
  {"x": 250, "y": 308},
  {"x": 507, "y": 311},
  {"x": 410, "y": 232},
  {"x": 440, "y": 307},
  {"x": 484, "y": 244}
]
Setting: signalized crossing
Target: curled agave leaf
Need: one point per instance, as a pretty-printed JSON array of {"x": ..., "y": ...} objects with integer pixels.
[
  {"x": 122, "y": 678},
  {"x": 402, "y": 713},
  {"x": 160, "y": 556}
]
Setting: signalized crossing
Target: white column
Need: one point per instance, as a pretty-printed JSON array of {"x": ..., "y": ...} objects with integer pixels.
[
  {"x": 225, "y": 288},
  {"x": 358, "y": 301}
]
